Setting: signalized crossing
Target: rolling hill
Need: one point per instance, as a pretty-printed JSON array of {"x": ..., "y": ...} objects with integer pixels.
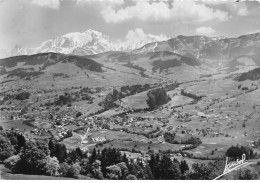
[
  {"x": 109, "y": 69},
  {"x": 34, "y": 65}
]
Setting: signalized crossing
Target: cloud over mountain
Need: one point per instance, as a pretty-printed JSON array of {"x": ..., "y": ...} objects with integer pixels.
[
  {"x": 30, "y": 22},
  {"x": 138, "y": 34},
  {"x": 164, "y": 11},
  {"x": 205, "y": 30}
]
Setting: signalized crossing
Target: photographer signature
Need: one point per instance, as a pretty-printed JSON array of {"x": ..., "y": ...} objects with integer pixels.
[{"x": 239, "y": 163}]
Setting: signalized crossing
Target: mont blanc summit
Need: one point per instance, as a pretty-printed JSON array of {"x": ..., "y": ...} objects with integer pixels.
[{"x": 89, "y": 42}]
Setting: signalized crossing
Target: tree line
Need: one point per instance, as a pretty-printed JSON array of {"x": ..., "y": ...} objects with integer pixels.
[
  {"x": 250, "y": 75},
  {"x": 48, "y": 157},
  {"x": 191, "y": 95}
]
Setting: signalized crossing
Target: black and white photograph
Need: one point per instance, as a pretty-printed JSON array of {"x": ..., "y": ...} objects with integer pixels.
[{"x": 105, "y": 90}]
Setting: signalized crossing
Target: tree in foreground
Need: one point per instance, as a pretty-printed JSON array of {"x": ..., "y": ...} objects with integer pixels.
[
  {"x": 51, "y": 166},
  {"x": 6, "y": 148},
  {"x": 203, "y": 172},
  {"x": 11, "y": 163},
  {"x": 114, "y": 172},
  {"x": 96, "y": 170},
  {"x": 64, "y": 169},
  {"x": 74, "y": 170},
  {"x": 33, "y": 156}
]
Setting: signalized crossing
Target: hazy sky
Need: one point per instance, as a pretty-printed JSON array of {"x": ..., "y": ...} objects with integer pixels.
[{"x": 30, "y": 22}]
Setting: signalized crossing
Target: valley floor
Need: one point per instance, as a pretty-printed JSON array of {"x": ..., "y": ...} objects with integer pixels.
[{"x": 227, "y": 114}]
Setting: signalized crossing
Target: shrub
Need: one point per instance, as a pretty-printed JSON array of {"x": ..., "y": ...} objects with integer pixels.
[
  {"x": 64, "y": 169},
  {"x": 96, "y": 170},
  {"x": 65, "y": 99},
  {"x": 74, "y": 170},
  {"x": 246, "y": 174},
  {"x": 11, "y": 162},
  {"x": 22, "y": 96},
  {"x": 51, "y": 166},
  {"x": 78, "y": 114},
  {"x": 203, "y": 172},
  {"x": 114, "y": 172},
  {"x": 6, "y": 148},
  {"x": 131, "y": 177}
]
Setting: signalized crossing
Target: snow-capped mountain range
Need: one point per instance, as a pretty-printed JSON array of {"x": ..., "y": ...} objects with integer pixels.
[
  {"x": 87, "y": 43},
  {"x": 93, "y": 42}
]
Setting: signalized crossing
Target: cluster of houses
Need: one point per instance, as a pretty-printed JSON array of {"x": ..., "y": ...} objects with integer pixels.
[
  {"x": 40, "y": 131},
  {"x": 141, "y": 157},
  {"x": 98, "y": 139},
  {"x": 182, "y": 117}
]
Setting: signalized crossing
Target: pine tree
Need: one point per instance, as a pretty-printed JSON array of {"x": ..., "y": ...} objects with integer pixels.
[
  {"x": 52, "y": 147},
  {"x": 184, "y": 167},
  {"x": 61, "y": 152},
  {"x": 152, "y": 163},
  {"x": 125, "y": 159},
  {"x": 93, "y": 156},
  {"x": 21, "y": 142}
]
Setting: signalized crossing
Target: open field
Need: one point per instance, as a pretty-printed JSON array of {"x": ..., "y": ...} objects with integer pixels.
[
  {"x": 16, "y": 124},
  {"x": 135, "y": 101}
]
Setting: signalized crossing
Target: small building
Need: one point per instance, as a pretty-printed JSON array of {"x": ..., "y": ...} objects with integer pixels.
[{"x": 98, "y": 139}]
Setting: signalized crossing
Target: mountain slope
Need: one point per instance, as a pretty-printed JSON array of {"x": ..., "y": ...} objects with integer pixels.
[
  {"x": 243, "y": 63},
  {"x": 157, "y": 65},
  {"x": 203, "y": 47},
  {"x": 35, "y": 65}
]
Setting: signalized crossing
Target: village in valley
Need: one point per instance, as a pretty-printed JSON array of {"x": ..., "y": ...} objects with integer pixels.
[{"x": 222, "y": 116}]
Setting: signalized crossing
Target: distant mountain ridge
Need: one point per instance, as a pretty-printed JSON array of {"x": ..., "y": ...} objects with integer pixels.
[
  {"x": 92, "y": 42},
  {"x": 89, "y": 42},
  {"x": 203, "y": 47}
]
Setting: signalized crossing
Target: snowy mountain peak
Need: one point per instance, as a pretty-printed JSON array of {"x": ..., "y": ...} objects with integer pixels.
[
  {"x": 90, "y": 42},
  {"x": 93, "y": 32}
]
